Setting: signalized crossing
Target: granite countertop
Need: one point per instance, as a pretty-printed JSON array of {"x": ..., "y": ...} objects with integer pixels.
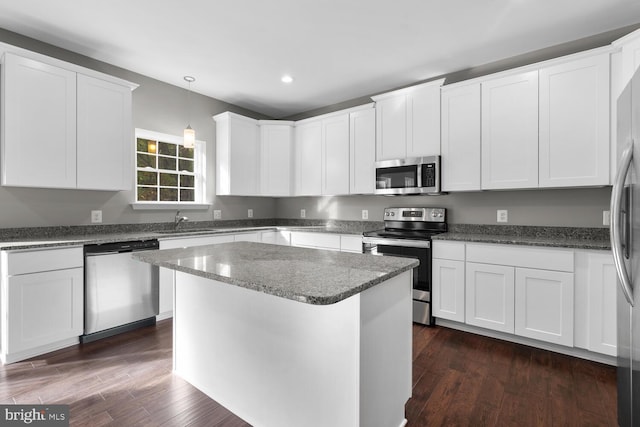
[
  {"x": 558, "y": 237},
  {"x": 311, "y": 276}
]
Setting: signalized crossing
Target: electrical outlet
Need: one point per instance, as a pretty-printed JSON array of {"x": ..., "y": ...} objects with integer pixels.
[
  {"x": 503, "y": 215},
  {"x": 250, "y": 213},
  {"x": 96, "y": 217},
  {"x": 365, "y": 214},
  {"x": 606, "y": 217},
  {"x": 217, "y": 214},
  {"x": 303, "y": 213}
]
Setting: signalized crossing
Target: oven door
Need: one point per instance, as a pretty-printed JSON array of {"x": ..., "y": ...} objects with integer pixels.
[{"x": 420, "y": 250}]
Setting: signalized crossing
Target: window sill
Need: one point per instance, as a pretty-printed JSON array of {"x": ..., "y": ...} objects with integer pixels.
[{"x": 169, "y": 206}]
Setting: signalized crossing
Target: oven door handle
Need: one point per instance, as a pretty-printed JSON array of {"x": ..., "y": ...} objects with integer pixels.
[{"x": 407, "y": 243}]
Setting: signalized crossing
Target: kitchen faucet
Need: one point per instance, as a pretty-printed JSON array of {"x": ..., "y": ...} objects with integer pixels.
[{"x": 178, "y": 219}]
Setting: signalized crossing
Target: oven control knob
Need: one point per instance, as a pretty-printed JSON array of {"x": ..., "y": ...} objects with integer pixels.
[{"x": 393, "y": 214}]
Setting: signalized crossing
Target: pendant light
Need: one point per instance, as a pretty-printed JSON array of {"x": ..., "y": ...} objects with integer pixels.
[{"x": 189, "y": 133}]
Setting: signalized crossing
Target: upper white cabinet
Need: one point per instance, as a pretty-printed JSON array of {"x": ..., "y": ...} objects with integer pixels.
[
  {"x": 408, "y": 122},
  {"x": 510, "y": 132},
  {"x": 237, "y": 155},
  {"x": 62, "y": 128},
  {"x": 335, "y": 155},
  {"x": 104, "y": 136},
  {"x": 362, "y": 155},
  {"x": 308, "y": 155},
  {"x": 276, "y": 138},
  {"x": 574, "y": 123},
  {"x": 461, "y": 138}
]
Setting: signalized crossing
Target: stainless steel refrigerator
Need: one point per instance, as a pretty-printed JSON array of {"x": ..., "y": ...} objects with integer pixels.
[{"x": 625, "y": 241}]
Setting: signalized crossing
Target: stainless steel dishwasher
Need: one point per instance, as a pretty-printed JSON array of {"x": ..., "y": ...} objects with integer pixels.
[{"x": 121, "y": 293}]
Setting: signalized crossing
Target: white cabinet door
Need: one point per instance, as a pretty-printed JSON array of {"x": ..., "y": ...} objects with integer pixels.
[
  {"x": 44, "y": 308},
  {"x": 489, "y": 296},
  {"x": 362, "y": 143},
  {"x": 574, "y": 123},
  {"x": 544, "y": 305},
  {"x": 423, "y": 121},
  {"x": 391, "y": 128},
  {"x": 448, "y": 289},
  {"x": 39, "y": 124},
  {"x": 276, "y": 158},
  {"x": 105, "y": 135},
  {"x": 247, "y": 237},
  {"x": 308, "y": 159},
  {"x": 350, "y": 243},
  {"x": 602, "y": 311},
  {"x": 237, "y": 155},
  {"x": 510, "y": 132},
  {"x": 335, "y": 155},
  {"x": 316, "y": 240},
  {"x": 460, "y": 141}
]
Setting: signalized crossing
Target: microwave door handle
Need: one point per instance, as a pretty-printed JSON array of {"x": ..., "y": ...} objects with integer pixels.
[{"x": 616, "y": 236}]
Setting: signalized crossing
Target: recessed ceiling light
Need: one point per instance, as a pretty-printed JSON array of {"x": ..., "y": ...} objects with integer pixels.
[{"x": 286, "y": 79}]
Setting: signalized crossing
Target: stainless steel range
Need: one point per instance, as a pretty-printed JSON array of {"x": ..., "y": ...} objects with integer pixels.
[{"x": 407, "y": 232}]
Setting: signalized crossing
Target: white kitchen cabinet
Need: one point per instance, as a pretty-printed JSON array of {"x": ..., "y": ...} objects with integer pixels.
[
  {"x": 510, "y": 131},
  {"x": 461, "y": 138},
  {"x": 104, "y": 135},
  {"x": 595, "y": 307},
  {"x": 167, "y": 276},
  {"x": 41, "y": 301},
  {"x": 237, "y": 155},
  {"x": 276, "y": 144},
  {"x": 408, "y": 122},
  {"x": 305, "y": 239},
  {"x": 574, "y": 123},
  {"x": 362, "y": 146},
  {"x": 544, "y": 305},
  {"x": 489, "y": 296},
  {"x": 349, "y": 243},
  {"x": 247, "y": 237},
  {"x": 39, "y": 124},
  {"x": 308, "y": 155},
  {"x": 448, "y": 280},
  {"x": 335, "y": 155},
  {"x": 63, "y": 128}
]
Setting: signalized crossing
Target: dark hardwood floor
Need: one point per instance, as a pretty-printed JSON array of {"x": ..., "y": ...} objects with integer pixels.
[{"x": 460, "y": 379}]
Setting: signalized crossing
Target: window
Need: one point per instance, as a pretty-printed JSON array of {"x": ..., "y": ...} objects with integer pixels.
[{"x": 166, "y": 171}]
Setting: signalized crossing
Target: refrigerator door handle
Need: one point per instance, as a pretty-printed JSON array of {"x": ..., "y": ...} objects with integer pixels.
[{"x": 616, "y": 238}]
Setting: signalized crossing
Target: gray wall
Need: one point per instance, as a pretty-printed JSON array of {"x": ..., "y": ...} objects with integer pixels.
[
  {"x": 563, "y": 208},
  {"x": 157, "y": 106}
]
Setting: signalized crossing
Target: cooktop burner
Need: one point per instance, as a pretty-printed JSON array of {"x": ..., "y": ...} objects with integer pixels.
[{"x": 411, "y": 223}]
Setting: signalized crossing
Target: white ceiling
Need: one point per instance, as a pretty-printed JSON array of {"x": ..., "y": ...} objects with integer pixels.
[{"x": 335, "y": 50}]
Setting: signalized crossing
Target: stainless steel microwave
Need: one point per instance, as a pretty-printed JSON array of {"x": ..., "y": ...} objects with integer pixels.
[{"x": 418, "y": 175}]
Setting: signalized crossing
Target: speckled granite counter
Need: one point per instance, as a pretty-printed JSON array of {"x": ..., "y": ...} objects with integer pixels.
[
  {"x": 306, "y": 275},
  {"x": 563, "y": 237}
]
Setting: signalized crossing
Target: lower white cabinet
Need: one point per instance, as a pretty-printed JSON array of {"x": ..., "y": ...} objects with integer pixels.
[
  {"x": 329, "y": 241},
  {"x": 489, "y": 296},
  {"x": 448, "y": 289},
  {"x": 544, "y": 305},
  {"x": 42, "y": 305}
]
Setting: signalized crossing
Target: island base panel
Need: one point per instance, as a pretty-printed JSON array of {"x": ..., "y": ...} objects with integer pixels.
[{"x": 278, "y": 362}]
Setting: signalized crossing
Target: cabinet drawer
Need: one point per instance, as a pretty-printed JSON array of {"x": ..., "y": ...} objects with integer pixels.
[
  {"x": 195, "y": 241},
  {"x": 351, "y": 244},
  {"x": 519, "y": 256},
  {"x": 448, "y": 250},
  {"x": 31, "y": 261},
  {"x": 316, "y": 240}
]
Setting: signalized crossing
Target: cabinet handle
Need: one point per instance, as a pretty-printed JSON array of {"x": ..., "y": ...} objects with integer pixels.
[{"x": 616, "y": 238}]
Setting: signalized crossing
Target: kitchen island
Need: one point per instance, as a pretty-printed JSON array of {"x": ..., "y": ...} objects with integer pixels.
[{"x": 286, "y": 336}]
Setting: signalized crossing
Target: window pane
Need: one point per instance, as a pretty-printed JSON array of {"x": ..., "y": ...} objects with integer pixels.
[
  {"x": 146, "y": 161},
  {"x": 187, "y": 195},
  {"x": 147, "y": 178},
  {"x": 146, "y": 145},
  {"x": 186, "y": 181},
  {"x": 168, "y": 179},
  {"x": 147, "y": 194},
  {"x": 186, "y": 165},
  {"x": 185, "y": 152},
  {"x": 167, "y": 149},
  {"x": 167, "y": 163},
  {"x": 168, "y": 194}
]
